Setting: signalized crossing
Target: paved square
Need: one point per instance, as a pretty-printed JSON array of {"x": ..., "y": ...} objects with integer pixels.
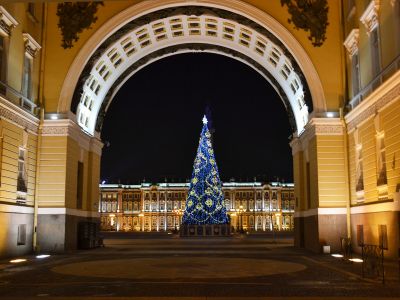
[{"x": 167, "y": 266}]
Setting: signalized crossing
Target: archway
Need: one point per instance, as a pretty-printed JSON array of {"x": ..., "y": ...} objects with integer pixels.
[{"x": 150, "y": 31}]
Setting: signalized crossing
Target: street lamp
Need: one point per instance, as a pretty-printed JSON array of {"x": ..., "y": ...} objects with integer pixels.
[{"x": 240, "y": 211}]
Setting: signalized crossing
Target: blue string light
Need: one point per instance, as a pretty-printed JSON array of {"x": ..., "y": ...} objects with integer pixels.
[{"x": 205, "y": 202}]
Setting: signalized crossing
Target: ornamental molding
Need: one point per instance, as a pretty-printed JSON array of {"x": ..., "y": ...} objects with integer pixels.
[
  {"x": 324, "y": 126},
  {"x": 370, "y": 17},
  {"x": 387, "y": 93},
  {"x": 31, "y": 46},
  {"x": 317, "y": 126},
  {"x": 68, "y": 128},
  {"x": 14, "y": 114},
  {"x": 7, "y": 22},
  {"x": 351, "y": 42}
]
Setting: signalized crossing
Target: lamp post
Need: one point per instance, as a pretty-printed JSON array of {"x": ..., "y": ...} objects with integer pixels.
[{"x": 240, "y": 212}]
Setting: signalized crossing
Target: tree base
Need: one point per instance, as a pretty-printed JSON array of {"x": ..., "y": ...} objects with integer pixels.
[{"x": 187, "y": 230}]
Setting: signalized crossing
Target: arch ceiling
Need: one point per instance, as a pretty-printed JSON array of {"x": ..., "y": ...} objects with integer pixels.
[{"x": 188, "y": 28}]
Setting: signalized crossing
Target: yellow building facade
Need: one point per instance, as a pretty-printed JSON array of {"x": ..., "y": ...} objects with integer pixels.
[
  {"x": 342, "y": 100},
  {"x": 251, "y": 206}
]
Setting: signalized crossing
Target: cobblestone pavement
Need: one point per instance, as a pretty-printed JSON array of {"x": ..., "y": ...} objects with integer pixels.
[{"x": 151, "y": 267}]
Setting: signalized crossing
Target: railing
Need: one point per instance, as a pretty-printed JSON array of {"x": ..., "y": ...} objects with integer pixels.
[
  {"x": 374, "y": 83},
  {"x": 373, "y": 261},
  {"x": 18, "y": 99}
]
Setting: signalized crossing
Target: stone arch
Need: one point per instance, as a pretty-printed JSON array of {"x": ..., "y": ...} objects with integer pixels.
[{"x": 151, "y": 30}]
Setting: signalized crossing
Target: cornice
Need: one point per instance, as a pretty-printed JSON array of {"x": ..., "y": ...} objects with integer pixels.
[
  {"x": 316, "y": 127},
  {"x": 388, "y": 92},
  {"x": 351, "y": 42},
  {"x": 31, "y": 46},
  {"x": 7, "y": 22},
  {"x": 68, "y": 128},
  {"x": 18, "y": 116},
  {"x": 370, "y": 16}
]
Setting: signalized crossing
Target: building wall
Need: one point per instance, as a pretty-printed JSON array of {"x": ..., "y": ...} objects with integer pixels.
[
  {"x": 160, "y": 207},
  {"x": 18, "y": 132},
  {"x": 373, "y": 117}
]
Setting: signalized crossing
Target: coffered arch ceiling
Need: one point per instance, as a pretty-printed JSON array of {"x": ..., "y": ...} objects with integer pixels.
[{"x": 159, "y": 32}]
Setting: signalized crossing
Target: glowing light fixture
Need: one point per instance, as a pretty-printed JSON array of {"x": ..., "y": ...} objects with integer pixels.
[
  {"x": 330, "y": 114},
  {"x": 17, "y": 260},
  {"x": 358, "y": 260},
  {"x": 337, "y": 255},
  {"x": 42, "y": 256}
]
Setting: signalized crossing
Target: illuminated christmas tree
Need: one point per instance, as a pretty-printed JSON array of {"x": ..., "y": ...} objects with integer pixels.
[{"x": 205, "y": 202}]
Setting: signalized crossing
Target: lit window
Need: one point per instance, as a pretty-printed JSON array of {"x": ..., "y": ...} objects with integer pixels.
[
  {"x": 359, "y": 169},
  {"x": 381, "y": 160},
  {"x": 3, "y": 63},
  {"x": 22, "y": 176},
  {"x": 375, "y": 51}
]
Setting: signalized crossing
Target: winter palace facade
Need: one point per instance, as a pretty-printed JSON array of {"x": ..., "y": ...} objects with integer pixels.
[{"x": 252, "y": 206}]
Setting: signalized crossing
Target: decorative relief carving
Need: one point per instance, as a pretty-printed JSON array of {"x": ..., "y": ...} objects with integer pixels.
[
  {"x": 351, "y": 42},
  {"x": 370, "y": 16},
  {"x": 70, "y": 129},
  {"x": 7, "y": 22},
  {"x": 328, "y": 130},
  {"x": 75, "y": 18},
  {"x": 311, "y": 16},
  {"x": 56, "y": 131}
]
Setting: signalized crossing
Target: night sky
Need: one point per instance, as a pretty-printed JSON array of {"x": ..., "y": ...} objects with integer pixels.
[{"x": 153, "y": 125}]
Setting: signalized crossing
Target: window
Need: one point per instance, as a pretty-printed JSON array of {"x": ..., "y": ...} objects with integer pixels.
[
  {"x": 154, "y": 206},
  {"x": 3, "y": 64},
  {"x": 359, "y": 169},
  {"x": 21, "y": 239},
  {"x": 147, "y": 206},
  {"x": 375, "y": 51},
  {"x": 22, "y": 176},
  {"x": 31, "y": 9},
  {"x": 27, "y": 77},
  {"x": 114, "y": 206},
  {"x": 381, "y": 160},
  {"x": 259, "y": 205},
  {"x": 355, "y": 73},
  {"x": 227, "y": 204},
  {"x": 396, "y": 15},
  {"x": 169, "y": 205}
]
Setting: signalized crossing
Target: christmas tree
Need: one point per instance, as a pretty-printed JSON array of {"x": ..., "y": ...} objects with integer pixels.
[{"x": 205, "y": 202}]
